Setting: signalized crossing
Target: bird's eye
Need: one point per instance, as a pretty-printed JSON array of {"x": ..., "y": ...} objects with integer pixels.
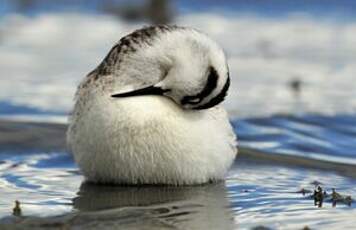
[
  {"x": 195, "y": 100},
  {"x": 192, "y": 100}
]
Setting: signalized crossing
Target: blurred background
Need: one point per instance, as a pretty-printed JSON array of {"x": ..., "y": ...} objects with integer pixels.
[
  {"x": 285, "y": 57},
  {"x": 292, "y": 102}
]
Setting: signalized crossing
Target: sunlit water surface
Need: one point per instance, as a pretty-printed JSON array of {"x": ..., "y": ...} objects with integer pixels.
[{"x": 52, "y": 193}]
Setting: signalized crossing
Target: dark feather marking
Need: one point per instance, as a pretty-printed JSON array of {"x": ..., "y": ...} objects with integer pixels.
[
  {"x": 210, "y": 85},
  {"x": 218, "y": 99},
  {"x": 126, "y": 45},
  {"x": 150, "y": 90}
]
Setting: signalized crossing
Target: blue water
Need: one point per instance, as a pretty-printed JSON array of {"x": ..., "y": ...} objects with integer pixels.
[
  {"x": 8, "y": 108},
  {"x": 319, "y": 137},
  {"x": 52, "y": 190},
  {"x": 327, "y": 138}
]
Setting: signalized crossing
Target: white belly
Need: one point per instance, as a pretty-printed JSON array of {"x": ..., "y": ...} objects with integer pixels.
[{"x": 150, "y": 140}]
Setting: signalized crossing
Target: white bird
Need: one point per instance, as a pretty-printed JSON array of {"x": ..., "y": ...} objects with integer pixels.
[{"x": 149, "y": 113}]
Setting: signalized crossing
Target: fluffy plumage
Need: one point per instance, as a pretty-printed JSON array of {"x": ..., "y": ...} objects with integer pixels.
[{"x": 179, "y": 137}]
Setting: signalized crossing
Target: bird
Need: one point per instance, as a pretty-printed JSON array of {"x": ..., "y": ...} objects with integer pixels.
[{"x": 150, "y": 112}]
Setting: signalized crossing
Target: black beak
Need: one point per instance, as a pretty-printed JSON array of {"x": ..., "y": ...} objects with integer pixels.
[{"x": 150, "y": 90}]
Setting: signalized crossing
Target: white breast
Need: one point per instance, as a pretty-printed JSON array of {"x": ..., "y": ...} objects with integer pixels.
[{"x": 150, "y": 140}]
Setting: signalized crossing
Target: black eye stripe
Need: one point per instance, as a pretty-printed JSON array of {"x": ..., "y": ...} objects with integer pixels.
[
  {"x": 150, "y": 90},
  {"x": 210, "y": 85},
  {"x": 219, "y": 98}
]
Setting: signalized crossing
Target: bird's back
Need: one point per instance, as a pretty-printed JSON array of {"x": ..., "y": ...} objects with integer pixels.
[{"x": 146, "y": 139}]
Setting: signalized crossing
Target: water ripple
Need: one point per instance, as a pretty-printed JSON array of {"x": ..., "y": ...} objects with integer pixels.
[{"x": 324, "y": 138}]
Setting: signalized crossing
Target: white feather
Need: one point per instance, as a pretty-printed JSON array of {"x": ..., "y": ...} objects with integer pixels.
[{"x": 152, "y": 139}]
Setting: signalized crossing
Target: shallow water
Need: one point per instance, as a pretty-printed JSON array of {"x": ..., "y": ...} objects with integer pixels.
[
  {"x": 253, "y": 194},
  {"x": 259, "y": 190},
  {"x": 325, "y": 138},
  {"x": 279, "y": 154}
]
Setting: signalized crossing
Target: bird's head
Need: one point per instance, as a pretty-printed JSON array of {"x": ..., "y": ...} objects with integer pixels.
[{"x": 195, "y": 69}]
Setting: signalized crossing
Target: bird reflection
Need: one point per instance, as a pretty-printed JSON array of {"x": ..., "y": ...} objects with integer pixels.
[{"x": 190, "y": 207}]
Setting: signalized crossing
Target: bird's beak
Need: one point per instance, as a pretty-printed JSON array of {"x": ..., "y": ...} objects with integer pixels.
[{"x": 150, "y": 90}]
